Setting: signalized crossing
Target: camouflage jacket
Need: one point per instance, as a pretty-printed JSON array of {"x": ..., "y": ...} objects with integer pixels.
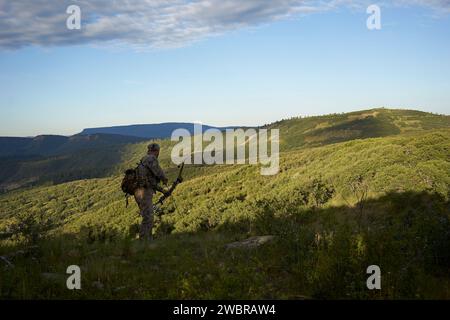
[{"x": 149, "y": 173}]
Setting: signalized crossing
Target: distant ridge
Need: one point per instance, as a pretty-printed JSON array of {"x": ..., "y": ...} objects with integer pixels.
[
  {"x": 149, "y": 131},
  {"x": 50, "y": 145}
]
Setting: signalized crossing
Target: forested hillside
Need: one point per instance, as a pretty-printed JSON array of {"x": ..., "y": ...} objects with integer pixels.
[
  {"x": 322, "y": 130},
  {"x": 48, "y": 145},
  {"x": 332, "y": 211},
  {"x": 104, "y": 155},
  {"x": 55, "y": 159}
]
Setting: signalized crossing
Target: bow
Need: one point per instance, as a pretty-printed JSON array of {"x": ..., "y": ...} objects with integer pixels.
[{"x": 157, "y": 206}]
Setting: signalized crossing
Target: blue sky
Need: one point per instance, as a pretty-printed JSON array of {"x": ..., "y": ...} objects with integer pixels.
[{"x": 304, "y": 64}]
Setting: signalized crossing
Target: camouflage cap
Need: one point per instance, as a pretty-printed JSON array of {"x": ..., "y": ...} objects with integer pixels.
[{"x": 154, "y": 147}]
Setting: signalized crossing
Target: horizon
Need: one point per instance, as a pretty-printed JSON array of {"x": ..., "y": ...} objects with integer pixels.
[
  {"x": 225, "y": 126},
  {"x": 233, "y": 64}
]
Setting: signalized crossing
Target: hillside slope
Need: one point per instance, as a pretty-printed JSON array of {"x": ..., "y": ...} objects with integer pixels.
[
  {"x": 47, "y": 145},
  {"x": 104, "y": 155},
  {"x": 334, "y": 128},
  {"x": 55, "y": 159},
  {"x": 319, "y": 251},
  {"x": 413, "y": 162}
]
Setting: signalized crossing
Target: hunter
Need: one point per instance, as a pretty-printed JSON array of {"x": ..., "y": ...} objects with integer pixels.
[{"x": 149, "y": 175}]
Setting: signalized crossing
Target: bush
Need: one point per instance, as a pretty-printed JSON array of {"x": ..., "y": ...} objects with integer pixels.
[
  {"x": 315, "y": 194},
  {"x": 30, "y": 227}
]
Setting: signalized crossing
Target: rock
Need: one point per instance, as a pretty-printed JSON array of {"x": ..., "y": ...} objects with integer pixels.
[{"x": 250, "y": 243}]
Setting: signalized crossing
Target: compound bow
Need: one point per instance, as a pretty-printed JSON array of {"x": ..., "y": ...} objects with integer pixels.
[{"x": 157, "y": 207}]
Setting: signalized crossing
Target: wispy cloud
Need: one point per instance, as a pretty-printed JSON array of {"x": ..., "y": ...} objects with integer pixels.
[{"x": 153, "y": 23}]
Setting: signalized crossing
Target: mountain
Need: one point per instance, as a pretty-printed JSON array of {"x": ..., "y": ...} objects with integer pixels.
[
  {"x": 94, "y": 153},
  {"x": 51, "y": 145},
  {"x": 54, "y": 159},
  {"x": 409, "y": 162},
  {"x": 331, "y": 212},
  {"x": 40, "y": 145},
  {"x": 149, "y": 131},
  {"x": 334, "y": 128}
]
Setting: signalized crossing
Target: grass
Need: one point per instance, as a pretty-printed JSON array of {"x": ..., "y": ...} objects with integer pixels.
[{"x": 316, "y": 254}]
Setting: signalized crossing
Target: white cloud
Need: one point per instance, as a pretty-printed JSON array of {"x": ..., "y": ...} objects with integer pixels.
[{"x": 153, "y": 23}]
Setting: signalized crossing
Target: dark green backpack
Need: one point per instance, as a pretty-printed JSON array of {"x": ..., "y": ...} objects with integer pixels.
[{"x": 129, "y": 183}]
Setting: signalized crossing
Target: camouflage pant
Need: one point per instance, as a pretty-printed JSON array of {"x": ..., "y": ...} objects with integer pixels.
[{"x": 144, "y": 199}]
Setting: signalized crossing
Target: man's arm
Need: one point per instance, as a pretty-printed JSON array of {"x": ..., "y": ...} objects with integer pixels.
[{"x": 157, "y": 170}]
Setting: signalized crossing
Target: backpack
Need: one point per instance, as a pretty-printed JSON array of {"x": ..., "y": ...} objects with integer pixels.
[{"x": 129, "y": 183}]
